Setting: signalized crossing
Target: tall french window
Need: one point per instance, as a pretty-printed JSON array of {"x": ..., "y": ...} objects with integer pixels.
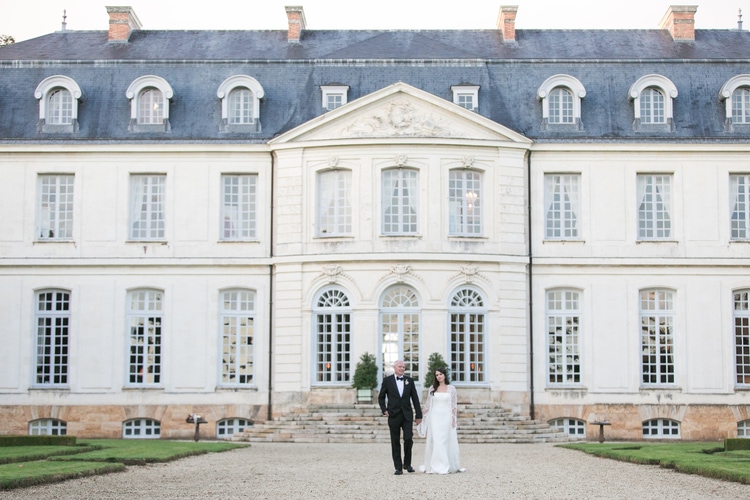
[
  {"x": 237, "y": 336},
  {"x": 739, "y": 206},
  {"x": 55, "y": 209},
  {"x": 399, "y": 201},
  {"x": 561, "y": 202},
  {"x": 563, "y": 337},
  {"x": 657, "y": 338},
  {"x": 465, "y": 203},
  {"x": 52, "y": 337},
  {"x": 238, "y": 211},
  {"x": 145, "y": 337},
  {"x": 467, "y": 336},
  {"x": 333, "y": 337},
  {"x": 741, "y": 318},
  {"x": 147, "y": 207},
  {"x": 654, "y": 193},
  {"x": 400, "y": 329}
]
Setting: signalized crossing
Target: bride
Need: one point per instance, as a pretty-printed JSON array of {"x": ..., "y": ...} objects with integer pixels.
[{"x": 439, "y": 426}]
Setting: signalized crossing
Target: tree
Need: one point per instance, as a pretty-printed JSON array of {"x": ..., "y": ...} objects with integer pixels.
[
  {"x": 6, "y": 40},
  {"x": 366, "y": 372},
  {"x": 433, "y": 363}
]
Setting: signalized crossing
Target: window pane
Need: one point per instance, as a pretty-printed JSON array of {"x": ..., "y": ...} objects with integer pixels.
[
  {"x": 59, "y": 107},
  {"x": 465, "y": 203},
  {"x": 240, "y": 106},
  {"x": 657, "y": 341},
  {"x": 654, "y": 206},
  {"x": 239, "y": 207},
  {"x": 145, "y": 327},
  {"x": 237, "y": 336},
  {"x": 334, "y": 203},
  {"x": 333, "y": 338},
  {"x": 399, "y": 201},
  {"x": 151, "y": 107},
  {"x": 400, "y": 330},
  {"x": 147, "y": 207},
  {"x": 52, "y": 339}
]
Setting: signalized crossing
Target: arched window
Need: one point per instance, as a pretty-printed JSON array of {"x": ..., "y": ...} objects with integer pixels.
[
  {"x": 561, "y": 97},
  {"x": 574, "y": 427},
  {"x": 400, "y": 329},
  {"x": 240, "y": 104},
  {"x": 661, "y": 428},
  {"x": 58, "y": 104},
  {"x": 736, "y": 95},
  {"x": 141, "y": 428},
  {"x": 468, "y": 336},
  {"x": 48, "y": 427},
  {"x": 149, "y": 104},
  {"x": 237, "y": 316},
  {"x": 333, "y": 337},
  {"x": 652, "y": 96},
  {"x": 228, "y": 427}
]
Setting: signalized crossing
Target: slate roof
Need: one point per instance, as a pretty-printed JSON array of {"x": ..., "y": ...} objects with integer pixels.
[{"x": 509, "y": 74}]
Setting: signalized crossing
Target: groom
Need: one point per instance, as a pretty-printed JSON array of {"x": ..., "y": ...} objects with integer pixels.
[{"x": 401, "y": 393}]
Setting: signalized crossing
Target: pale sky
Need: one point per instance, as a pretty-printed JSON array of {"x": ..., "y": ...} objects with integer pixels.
[{"x": 24, "y": 19}]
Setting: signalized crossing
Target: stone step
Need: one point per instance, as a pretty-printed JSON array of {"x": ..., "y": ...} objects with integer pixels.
[{"x": 364, "y": 423}]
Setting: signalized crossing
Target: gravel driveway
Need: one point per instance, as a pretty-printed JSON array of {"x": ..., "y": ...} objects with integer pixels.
[{"x": 359, "y": 471}]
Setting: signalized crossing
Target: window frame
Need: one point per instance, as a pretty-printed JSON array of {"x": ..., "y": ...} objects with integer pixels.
[
  {"x": 243, "y": 225},
  {"x": 154, "y": 216},
  {"x": 727, "y": 95},
  {"x": 55, "y": 207},
  {"x": 145, "y": 368},
  {"x": 654, "y": 215},
  {"x": 741, "y": 334},
  {"x": 577, "y": 92},
  {"x": 743, "y": 429},
  {"x": 228, "y": 427},
  {"x": 667, "y": 89},
  {"x": 399, "y": 329},
  {"x": 336, "y": 218},
  {"x": 405, "y": 210},
  {"x": 332, "y": 364},
  {"x": 566, "y": 186},
  {"x": 48, "y": 427},
  {"x": 136, "y": 92},
  {"x": 461, "y": 202},
  {"x": 332, "y": 91},
  {"x": 567, "y": 316},
  {"x": 43, "y": 93},
  {"x": 739, "y": 207},
  {"x": 468, "y": 349},
  {"x": 224, "y": 93},
  {"x": 659, "y": 428},
  {"x": 657, "y": 353},
  {"x": 141, "y": 428},
  {"x": 52, "y": 339},
  {"x": 244, "y": 309},
  {"x": 463, "y": 94},
  {"x": 573, "y": 427}
]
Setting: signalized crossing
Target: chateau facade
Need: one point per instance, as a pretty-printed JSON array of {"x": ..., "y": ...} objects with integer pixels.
[{"x": 222, "y": 222}]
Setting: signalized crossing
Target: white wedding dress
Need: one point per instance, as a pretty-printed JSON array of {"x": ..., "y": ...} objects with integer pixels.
[{"x": 441, "y": 440}]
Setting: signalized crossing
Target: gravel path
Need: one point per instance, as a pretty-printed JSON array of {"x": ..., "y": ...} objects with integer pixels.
[{"x": 364, "y": 471}]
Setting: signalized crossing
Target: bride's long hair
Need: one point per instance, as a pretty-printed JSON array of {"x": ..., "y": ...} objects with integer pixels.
[{"x": 435, "y": 383}]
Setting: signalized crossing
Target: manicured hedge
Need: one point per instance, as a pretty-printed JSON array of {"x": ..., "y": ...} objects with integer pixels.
[
  {"x": 37, "y": 440},
  {"x": 736, "y": 444}
]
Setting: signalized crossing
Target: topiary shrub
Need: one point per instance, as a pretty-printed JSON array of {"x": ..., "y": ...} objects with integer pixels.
[{"x": 433, "y": 363}]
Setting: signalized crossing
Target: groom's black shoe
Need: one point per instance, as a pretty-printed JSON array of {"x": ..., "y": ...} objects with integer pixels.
[
  {"x": 398, "y": 472},
  {"x": 409, "y": 468}
]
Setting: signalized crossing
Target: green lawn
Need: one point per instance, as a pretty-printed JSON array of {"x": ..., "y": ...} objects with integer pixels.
[
  {"x": 703, "y": 459},
  {"x": 30, "y": 465}
]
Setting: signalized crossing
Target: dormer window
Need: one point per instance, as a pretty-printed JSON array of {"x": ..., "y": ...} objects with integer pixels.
[
  {"x": 334, "y": 96},
  {"x": 58, "y": 104},
  {"x": 561, "y": 97},
  {"x": 736, "y": 95},
  {"x": 466, "y": 96},
  {"x": 149, "y": 104},
  {"x": 652, "y": 97},
  {"x": 240, "y": 104}
]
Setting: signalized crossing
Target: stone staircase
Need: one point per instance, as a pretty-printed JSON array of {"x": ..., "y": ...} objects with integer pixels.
[{"x": 363, "y": 423}]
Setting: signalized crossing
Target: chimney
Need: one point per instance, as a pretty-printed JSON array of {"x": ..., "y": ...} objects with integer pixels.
[
  {"x": 680, "y": 21},
  {"x": 506, "y": 22},
  {"x": 296, "y": 18},
  {"x": 122, "y": 22}
]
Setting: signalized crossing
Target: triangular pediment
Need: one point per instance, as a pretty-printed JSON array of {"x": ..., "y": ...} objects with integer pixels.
[{"x": 401, "y": 111}]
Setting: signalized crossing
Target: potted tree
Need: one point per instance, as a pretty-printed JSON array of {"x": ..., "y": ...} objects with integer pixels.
[
  {"x": 433, "y": 363},
  {"x": 365, "y": 377}
]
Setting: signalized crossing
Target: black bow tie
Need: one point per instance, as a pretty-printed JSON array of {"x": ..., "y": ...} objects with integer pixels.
[{"x": 399, "y": 378}]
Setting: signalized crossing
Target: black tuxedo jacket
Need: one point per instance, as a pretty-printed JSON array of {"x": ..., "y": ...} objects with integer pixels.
[{"x": 399, "y": 404}]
